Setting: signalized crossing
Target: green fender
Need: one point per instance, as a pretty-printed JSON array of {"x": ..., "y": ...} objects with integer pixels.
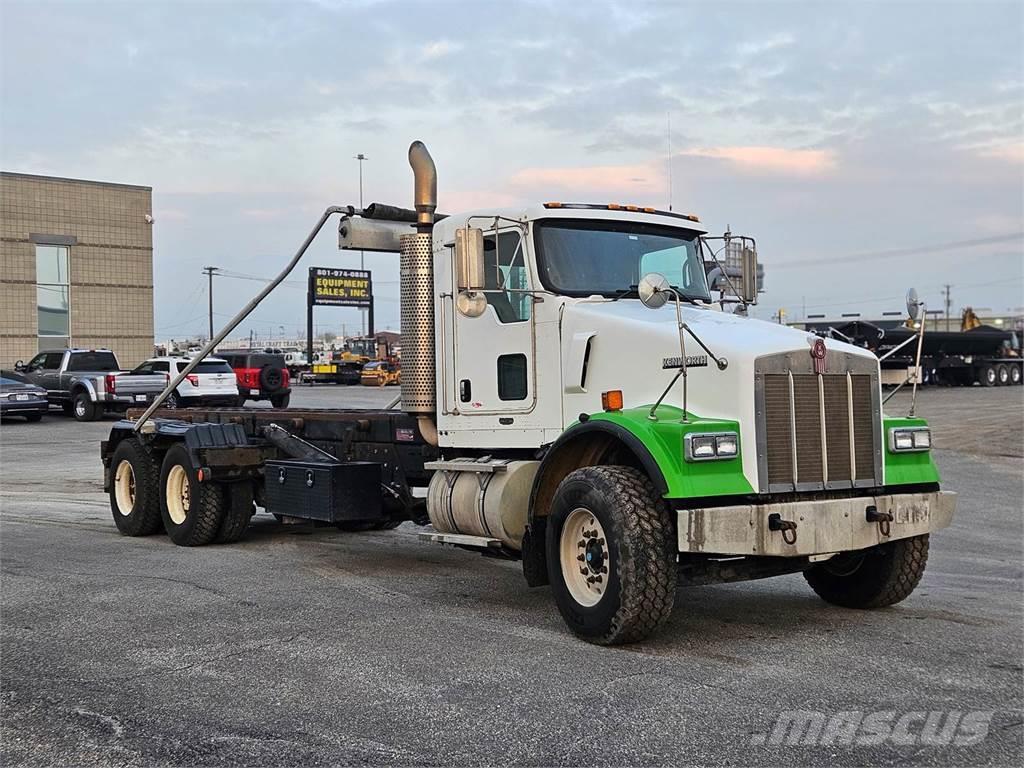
[{"x": 663, "y": 442}]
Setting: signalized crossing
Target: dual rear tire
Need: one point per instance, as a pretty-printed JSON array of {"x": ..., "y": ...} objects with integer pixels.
[{"x": 147, "y": 493}]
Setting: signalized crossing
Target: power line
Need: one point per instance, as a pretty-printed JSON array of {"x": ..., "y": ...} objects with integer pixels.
[{"x": 893, "y": 252}]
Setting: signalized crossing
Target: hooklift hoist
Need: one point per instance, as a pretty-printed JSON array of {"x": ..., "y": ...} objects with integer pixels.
[{"x": 543, "y": 352}]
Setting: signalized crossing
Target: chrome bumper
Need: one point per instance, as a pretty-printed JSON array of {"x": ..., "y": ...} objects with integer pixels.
[{"x": 822, "y": 527}]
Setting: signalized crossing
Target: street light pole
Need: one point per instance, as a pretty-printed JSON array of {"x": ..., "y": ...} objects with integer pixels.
[
  {"x": 209, "y": 271},
  {"x": 362, "y": 262}
]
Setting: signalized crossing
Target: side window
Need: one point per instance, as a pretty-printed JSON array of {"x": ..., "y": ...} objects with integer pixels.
[
  {"x": 52, "y": 361},
  {"x": 161, "y": 366},
  {"x": 512, "y": 377},
  {"x": 36, "y": 362},
  {"x": 506, "y": 278},
  {"x": 144, "y": 368}
]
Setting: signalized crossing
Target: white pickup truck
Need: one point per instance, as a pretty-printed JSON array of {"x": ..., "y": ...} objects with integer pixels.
[{"x": 89, "y": 382}]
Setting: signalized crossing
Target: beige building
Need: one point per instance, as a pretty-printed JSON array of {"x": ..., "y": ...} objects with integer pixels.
[{"x": 76, "y": 267}]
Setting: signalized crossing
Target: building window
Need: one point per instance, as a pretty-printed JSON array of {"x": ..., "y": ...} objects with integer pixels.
[{"x": 53, "y": 299}]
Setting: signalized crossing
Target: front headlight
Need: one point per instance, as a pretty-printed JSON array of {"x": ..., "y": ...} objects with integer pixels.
[
  {"x": 905, "y": 439},
  {"x": 711, "y": 445}
]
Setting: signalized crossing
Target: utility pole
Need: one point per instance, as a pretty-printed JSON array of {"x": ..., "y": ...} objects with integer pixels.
[
  {"x": 209, "y": 271},
  {"x": 949, "y": 304},
  {"x": 362, "y": 263}
]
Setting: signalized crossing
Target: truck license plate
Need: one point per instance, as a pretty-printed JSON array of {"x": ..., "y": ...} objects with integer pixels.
[
  {"x": 254, "y": 391},
  {"x": 140, "y": 398}
]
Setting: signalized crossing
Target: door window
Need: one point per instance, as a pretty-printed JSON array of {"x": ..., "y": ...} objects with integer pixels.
[
  {"x": 512, "y": 377},
  {"x": 36, "y": 363},
  {"x": 506, "y": 278},
  {"x": 51, "y": 361}
]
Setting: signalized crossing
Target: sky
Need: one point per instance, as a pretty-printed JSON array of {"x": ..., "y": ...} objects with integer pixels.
[{"x": 868, "y": 147}]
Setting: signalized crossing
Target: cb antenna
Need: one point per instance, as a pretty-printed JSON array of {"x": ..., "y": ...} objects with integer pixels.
[{"x": 670, "y": 161}]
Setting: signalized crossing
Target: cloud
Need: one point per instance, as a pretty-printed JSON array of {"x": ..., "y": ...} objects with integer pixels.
[
  {"x": 798, "y": 162},
  {"x": 438, "y": 49},
  {"x": 587, "y": 182},
  {"x": 762, "y": 46},
  {"x": 1014, "y": 152}
]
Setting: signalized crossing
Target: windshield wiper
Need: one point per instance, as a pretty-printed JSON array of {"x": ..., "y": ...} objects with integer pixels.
[{"x": 626, "y": 292}]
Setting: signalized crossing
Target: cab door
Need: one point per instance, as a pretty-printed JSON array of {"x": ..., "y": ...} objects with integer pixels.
[
  {"x": 494, "y": 352},
  {"x": 49, "y": 375}
]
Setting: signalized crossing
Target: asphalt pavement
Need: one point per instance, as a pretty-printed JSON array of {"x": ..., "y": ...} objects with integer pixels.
[{"x": 298, "y": 647}]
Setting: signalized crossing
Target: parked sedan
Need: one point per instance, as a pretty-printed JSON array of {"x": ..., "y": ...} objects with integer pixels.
[
  {"x": 212, "y": 382},
  {"x": 19, "y": 397}
]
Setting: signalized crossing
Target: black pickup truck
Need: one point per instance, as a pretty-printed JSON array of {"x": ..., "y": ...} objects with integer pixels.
[{"x": 89, "y": 382}]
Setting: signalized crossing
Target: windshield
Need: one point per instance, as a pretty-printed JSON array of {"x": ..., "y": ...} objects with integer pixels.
[{"x": 583, "y": 257}]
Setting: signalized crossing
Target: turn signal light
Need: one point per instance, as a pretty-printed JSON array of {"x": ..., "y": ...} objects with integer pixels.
[{"x": 612, "y": 400}]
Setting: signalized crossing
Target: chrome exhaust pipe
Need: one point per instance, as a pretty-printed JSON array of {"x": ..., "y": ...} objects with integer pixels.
[
  {"x": 416, "y": 292},
  {"x": 425, "y": 195}
]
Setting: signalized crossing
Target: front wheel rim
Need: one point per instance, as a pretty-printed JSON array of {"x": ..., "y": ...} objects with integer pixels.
[
  {"x": 124, "y": 488},
  {"x": 79, "y": 408},
  {"x": 584, "y": 557},
  {"x": 177, "y": 494}
]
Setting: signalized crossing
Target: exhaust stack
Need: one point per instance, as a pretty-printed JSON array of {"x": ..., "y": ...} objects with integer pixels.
[
  {"x": 425, "y": 174},
  {"x": 416, "y": 290}
]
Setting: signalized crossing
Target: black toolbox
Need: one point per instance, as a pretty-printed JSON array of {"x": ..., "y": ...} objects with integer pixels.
[{"x": 322, "y": 491}]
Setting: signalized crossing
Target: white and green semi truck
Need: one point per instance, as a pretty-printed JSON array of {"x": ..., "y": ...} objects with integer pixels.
[{"x": 575, "y": 397}]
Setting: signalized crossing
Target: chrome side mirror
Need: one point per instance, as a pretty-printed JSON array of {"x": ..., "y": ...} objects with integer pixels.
[
  {"x": 654, "y": 290},
  {"x": 913, "y": 304},
  {"x": 748, "y": 280},
  {"x": 469, "y": 259}
]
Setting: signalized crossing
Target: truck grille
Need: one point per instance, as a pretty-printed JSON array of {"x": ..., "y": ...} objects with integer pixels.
[{"x": 817, "y": 431}]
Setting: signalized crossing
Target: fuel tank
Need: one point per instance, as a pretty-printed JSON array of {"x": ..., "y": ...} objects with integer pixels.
[{"x": 486, "y": 498}]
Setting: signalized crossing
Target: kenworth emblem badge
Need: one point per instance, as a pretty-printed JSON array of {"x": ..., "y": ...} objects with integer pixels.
[
  {"x": 692, "y": 361},
  {"x": 818, "y": 353}
]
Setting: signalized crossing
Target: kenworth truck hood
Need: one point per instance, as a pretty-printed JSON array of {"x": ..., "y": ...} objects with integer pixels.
[{"x": 629, "y": 342}]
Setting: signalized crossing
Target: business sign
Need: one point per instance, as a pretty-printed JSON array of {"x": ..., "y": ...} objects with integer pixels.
[{"x": 340, "y": 287}]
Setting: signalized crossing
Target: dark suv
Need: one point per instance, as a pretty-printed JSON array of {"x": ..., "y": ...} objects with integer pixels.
[{"x": 261, "y": 376}]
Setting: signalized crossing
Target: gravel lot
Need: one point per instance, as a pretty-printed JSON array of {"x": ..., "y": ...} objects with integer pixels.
[{"x": 322, "y": 648}]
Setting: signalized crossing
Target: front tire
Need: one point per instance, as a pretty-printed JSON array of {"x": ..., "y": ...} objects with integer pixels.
[
  {"x": 192, "y": 511},
  {"x": 134, "y": 494},
  {"x": 876, "y": 578},
  {"x": 33, "y": 417},
  {"x": 611, "y": 554}
]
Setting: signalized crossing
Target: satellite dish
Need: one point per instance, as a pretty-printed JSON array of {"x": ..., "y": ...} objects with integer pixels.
[
  {"x": 654, "y": 290},
  {"x": 913, "y": 304}
]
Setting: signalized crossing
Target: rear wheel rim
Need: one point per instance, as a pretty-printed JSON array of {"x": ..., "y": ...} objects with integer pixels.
[
  {"x": 79, "y": 407},
  {"x": 584, "y": 557},
  {"x": 124, "y": 488},
  {"x": 177, "y": 494}
]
